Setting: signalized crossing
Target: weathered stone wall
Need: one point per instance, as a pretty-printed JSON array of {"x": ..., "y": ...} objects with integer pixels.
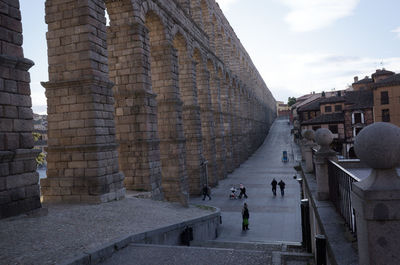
[
  {"x": 19, "y": 189},
  {"x": 162, "y": 92}
]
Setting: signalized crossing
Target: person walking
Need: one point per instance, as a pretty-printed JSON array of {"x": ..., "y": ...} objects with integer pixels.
[
  {"x": 282, "y": 187},
  {"x": 245, "y": 217},
  {"x": 206, "y": 192},
  {"x": 242, "y": 191},
  {"x": 273, "y": 184}
]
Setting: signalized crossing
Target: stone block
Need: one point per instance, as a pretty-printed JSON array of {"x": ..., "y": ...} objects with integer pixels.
[
  {"x": 23, "y": 88},
  {"x": 25, "y": 113},
  {"x": 6, "y": 125},
  {"x": 30, "y": 165},
  {"x": 71, "y": 198},
  {"x": 2, "y": 142},
  {"x": 17, "y": 194},
  {"x": 5, "y": 197},
  {"x": 10, "y": 86},
  {"x": 20, "y": 180},
  {"x": 26, "y": 140},
  {"x": 12, "y": 141},
  {"x": 20, "y": 125},
  {"x": 32, "y": 191}
]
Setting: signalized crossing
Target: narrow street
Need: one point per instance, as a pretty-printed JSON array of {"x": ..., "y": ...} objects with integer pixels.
[{"x": 272, "y": 219}]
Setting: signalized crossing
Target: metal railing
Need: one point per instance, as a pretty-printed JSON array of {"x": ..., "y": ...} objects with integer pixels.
[{"x": 340, "y": 186}]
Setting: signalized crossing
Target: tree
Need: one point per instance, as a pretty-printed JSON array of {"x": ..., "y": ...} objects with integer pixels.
[
  {"x": 41, "y": 159},
  {"x": 36, "y": 136},
  {"x": 291, "y": 101}
]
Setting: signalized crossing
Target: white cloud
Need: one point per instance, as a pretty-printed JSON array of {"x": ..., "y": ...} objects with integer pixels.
[
  {"x": 225, "y": 4},
  {"x": 397, "y": 31},
  {"x": 309, "y": 15},
  {"x": 37, "y": 94},
  {"x": 300, "y": 74}
]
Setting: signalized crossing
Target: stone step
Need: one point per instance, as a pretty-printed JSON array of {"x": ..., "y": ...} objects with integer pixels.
[
  {"x": 260, "y": 246},
  {"x": 285, "y": 253},
  {"x": 141, "y": 254},
  {"x": 292, "y": 258}
]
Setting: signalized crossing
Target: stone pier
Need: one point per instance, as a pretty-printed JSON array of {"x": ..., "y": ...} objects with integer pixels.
[{"x": 19, "y": 189}]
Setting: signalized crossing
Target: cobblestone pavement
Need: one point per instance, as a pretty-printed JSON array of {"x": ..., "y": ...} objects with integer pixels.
[
  {"x": 272, "y": 219},
  {"x": 70, "y": 230}
]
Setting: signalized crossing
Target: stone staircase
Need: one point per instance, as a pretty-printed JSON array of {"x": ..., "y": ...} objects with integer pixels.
[
  {"x": 279, "y": 253},
  {"x": 212, "y": 252}
]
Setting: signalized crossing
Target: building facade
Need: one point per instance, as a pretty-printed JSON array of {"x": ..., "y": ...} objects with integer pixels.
[{"x": 345, "y": 115}]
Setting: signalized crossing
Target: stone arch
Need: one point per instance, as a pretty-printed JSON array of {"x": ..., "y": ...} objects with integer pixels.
[
  {"x": 215, "y": 88},
  {"x": 236, "y": 128},
  {"x": 219, "y": 36},
  {"x": 197, "y": 13},
  {"x": 178, "y": 34},
  {"x": 226, "y": 110},
  {"x": 147, "y": 77},
  {"x": 214, "y": 39},
  {"x": 149, "y": 7},
  {"x": 185, "y": 5},
  {"x": 165, "y": 83},
  {"x": 191, "y": 114},
  {"x": 136, "y": 129},
  {"x": 207, "y": 23},
  {"x": 207, "y": 116},
  {"x": 227, "y": 53}
]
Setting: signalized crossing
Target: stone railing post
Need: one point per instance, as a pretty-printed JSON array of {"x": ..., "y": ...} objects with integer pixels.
[
  {"x": 323, "y": 138},
  {"x": 309, "y": 144},
  {"x": 376, "y": 199}
]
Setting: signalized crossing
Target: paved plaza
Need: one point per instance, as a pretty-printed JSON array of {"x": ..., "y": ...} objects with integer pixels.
[{"x": 272, "y": 219}]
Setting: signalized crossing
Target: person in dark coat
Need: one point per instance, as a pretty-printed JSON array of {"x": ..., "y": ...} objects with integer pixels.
[
  {"x": 282, "y": 187},
  {"x": 206, "y": 192},
  {"x": 245, "y": 216},
  {"x": 242, "y": 191},
  {"x": 273, "y": 184}
]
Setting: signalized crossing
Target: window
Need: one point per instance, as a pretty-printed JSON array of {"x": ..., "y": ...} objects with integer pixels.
[
  {"x": 356, "y": 131},
  {"x": 384, "y": 98},
  {"x": 357, "y": 118},
  {"x": 328, "y": 109},
  {"x": 338, "y": 107},
  {"x": 316, "y": 128},
  {"x": 385, "y": 115},
  {"x": 333, "y": 128}
]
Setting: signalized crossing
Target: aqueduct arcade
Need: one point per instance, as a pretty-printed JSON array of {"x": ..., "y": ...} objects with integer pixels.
[{"x": 164, "y": 99}]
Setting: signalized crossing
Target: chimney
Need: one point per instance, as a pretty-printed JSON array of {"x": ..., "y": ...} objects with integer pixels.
[{"x": 355, "y": 79}]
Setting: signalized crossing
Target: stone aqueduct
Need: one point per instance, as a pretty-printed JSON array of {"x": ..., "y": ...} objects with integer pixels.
[{"x": 141, "y": 104}]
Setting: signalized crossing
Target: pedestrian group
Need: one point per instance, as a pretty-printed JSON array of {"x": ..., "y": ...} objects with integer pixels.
[
  {"x": 281, "y": 186},
  {"x": 245, "y": 211}
]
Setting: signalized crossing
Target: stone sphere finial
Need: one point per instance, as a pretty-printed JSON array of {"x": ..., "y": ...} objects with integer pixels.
[
  {"x": 309, "y": 135},
  {"x": 378, "y": 145},
  {"x": 324, "y": 138}
]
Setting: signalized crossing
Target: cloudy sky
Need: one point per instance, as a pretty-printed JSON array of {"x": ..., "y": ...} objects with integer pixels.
[{"x": 298, "y": 46}]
